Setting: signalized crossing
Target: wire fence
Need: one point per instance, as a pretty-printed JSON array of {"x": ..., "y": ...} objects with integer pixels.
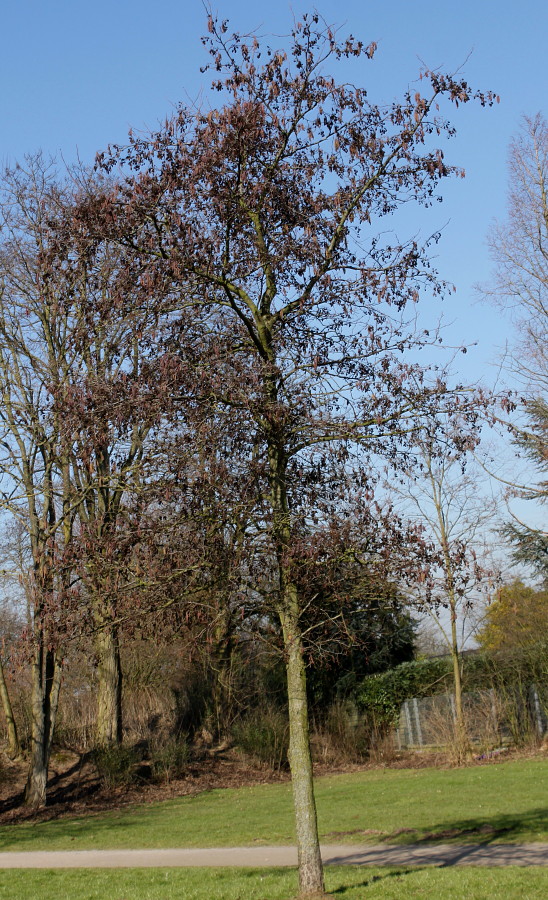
[{"x": 490, "y": 718}]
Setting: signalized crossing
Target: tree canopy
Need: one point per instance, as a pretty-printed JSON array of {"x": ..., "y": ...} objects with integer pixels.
[{"x": 515, "y": 619}]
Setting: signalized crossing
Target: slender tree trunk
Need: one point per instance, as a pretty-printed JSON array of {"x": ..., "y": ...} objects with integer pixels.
[
  {"x": 14, "y": 748},
  {"x": 220, "y": 663},
  {"x": 222, "y": 690},
  {"x": 46, "y": 682},
  {"x": 463, "y": 742},
  {"x": 109, "y": 687},
  {"x": 311, "y": 881}
]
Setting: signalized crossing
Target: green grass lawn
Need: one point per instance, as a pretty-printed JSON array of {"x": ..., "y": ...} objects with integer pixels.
[
  {"x": 348, "y": 883},
  {"x": 503, "y": 802}
]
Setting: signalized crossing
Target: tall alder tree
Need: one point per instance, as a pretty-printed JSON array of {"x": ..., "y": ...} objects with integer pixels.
[
  {"x": 34, "y": 459},
  {"x": 73, "y": 431},
  {"x": 269, "y": 217},
  {"x": 109, "y": 403},
  {"x": 107, "y": 427}
]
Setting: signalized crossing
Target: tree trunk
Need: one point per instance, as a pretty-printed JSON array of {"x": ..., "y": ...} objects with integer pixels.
[
  {"x": 109, "y": 688},
  {"x": 311, "y": 880},
  {"x": 221, "y": 662},
  {"x": 14, "y": 748},
  {"x": 463, "y": 743},
  {"x": 46, "y": 682}
]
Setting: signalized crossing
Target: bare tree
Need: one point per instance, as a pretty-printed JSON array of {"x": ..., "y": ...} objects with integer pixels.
[
  {"x": 106, "y": 427},
  {"x": 456, "y": 514},
  {"x": 15, "y": 571},
  {"x": 519, "y": 249},
  {"x": 14, "y": 746},
  {"x": 35, "y": 463}
]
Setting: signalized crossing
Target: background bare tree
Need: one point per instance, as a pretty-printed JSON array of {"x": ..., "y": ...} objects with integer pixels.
[
  {"x": 35, "y": 462},
  {"x": 519, "y": 249},
  {"x": 457, "y": 515}
]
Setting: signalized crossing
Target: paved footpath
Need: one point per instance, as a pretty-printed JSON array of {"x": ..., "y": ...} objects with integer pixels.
[{"x": 264, "y": 857}]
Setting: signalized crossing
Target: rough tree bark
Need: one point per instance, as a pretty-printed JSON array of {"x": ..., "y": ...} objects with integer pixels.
[
  {"x": 14, "y": 748},
  {"x": 311, "y": 880},
  {"x": 310, "y": 862},
  {"x": 46, "y": 661},
  {"x": 46, "y": 683},
  {"x": 221, "y": 662},
  {"x": 109, "y": 686}
]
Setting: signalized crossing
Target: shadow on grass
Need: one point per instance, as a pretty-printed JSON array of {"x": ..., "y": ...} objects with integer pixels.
[
  {"x": 508, "y": 826},
  {"x": 519, "y": 826},
  {"x": 89, "y": 832},
  {"x": 367, "y": 882}
]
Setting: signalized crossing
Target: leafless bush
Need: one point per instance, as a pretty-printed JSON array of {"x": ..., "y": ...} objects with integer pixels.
[
  {"x": 382, "y": 749},
  {"x": 264, "y": 738},
  {"x": 168, "y": 758},
  {"x": 491, "y": 718},
  {"x": 341, "y": 737}
]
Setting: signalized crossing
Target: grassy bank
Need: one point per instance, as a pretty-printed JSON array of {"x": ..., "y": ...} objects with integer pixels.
[
  {"x": 502, "y": 802},
  {"x": 352, "y": 883}
]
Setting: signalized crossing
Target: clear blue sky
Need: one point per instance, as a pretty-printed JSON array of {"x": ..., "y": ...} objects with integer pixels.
[{"x": 75, "y": 76}]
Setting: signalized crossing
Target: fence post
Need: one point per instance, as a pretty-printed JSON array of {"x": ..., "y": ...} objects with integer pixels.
[
  {"x": 418, "y": 721},
  {"x": 536, "y": 710},
  {"x": 408, "y": 724}
]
